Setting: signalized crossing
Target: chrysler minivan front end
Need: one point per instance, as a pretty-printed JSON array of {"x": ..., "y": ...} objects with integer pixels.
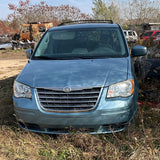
[{"x": 79, "y": 78}]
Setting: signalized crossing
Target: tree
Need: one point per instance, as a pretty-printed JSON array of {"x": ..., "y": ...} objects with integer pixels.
[
  {"x": 100, "y": 10},
  {"x": 66, "y": 12},
  {"x": 113, "y": 13},
  {"x": 142, "y": 11},
  {"x": 42, "y": 12},
  {"x": 6, "y": 28},
  {"x": 20, "y": 13},
  {"x": 106, "y": 11}
]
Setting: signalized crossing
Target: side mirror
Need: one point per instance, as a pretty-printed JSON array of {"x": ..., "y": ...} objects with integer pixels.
[
  {"x": 138, "y": 51},
  {"x": 29, "y": 53}
]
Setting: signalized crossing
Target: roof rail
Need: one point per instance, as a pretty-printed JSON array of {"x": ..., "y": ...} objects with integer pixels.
[
  {"x": 37, "y": 22},
  {"x": 85, "y": 21}
]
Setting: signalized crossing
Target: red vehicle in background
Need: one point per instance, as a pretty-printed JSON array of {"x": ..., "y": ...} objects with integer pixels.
[{"x": 150, "y": 35}]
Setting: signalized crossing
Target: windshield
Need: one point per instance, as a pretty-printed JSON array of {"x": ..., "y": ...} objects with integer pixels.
[{"x": 81, "y": 43}]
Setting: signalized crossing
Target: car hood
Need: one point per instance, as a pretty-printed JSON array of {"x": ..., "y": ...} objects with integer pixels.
[{"x": 74, "y": 73}]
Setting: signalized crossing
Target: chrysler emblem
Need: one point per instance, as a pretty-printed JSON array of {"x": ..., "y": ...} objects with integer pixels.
[{"x": 67, "y": 89}]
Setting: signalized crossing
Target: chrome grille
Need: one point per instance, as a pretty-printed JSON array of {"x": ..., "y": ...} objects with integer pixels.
[{"x": 77, "y": 100}]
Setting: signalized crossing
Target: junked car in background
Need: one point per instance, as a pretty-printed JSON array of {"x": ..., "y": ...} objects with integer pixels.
[
  {"x": 131, "y": 36},
  {"x": 151, "y": 34}
]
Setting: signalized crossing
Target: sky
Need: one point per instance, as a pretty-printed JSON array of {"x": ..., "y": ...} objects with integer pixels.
[{"x": 84, "y": 5}]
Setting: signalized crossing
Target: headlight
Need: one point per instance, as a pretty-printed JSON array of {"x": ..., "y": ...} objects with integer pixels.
[
  {"x": 21, "y": 90},
  {"x": 121, "y": 89}
]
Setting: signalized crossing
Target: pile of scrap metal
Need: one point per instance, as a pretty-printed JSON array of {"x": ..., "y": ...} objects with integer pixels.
[
  {"x": 17, "y": 44},
  {"x": 29, "y": 34}
]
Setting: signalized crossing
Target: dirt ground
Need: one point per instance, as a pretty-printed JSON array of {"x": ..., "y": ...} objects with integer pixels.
[{"x": 11, "y": 63}]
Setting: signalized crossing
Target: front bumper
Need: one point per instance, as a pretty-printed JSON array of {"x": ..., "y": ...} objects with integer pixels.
[{"x": 110, "y": 115}]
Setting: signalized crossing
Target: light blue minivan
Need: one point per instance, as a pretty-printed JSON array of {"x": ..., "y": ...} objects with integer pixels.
[{"x": 79, "y": 77}]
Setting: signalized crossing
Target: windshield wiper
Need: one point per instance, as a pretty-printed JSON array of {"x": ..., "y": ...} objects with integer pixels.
[
  {"x": 84, "y": 57},
  {"x": 70, "y": 58},
  {"x": 45, "y": 57}
]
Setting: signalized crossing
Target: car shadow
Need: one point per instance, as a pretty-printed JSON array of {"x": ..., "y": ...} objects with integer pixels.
[
  {"x": 149, "y": 89},
  {"x": 7, "y": 116}
]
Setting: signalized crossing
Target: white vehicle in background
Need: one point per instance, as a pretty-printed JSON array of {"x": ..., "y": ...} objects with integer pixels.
[
  {"x": 131, "y": 35},
  {"x": 6, "y": 46}
]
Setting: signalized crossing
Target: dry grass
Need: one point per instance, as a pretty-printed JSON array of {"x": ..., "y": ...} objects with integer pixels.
[{"x": 138, "y": 142}]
